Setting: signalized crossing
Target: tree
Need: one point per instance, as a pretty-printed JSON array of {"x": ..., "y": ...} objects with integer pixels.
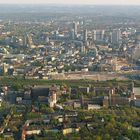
[
  {"x": 98, "y": 138},
  {"x": 107, "y": 137},
  {"x": 81, "y": 116},
  {"x": 44, "y": 108}
]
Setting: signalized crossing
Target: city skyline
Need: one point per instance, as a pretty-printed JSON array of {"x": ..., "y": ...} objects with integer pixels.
[{"x": 95, "y": 2}]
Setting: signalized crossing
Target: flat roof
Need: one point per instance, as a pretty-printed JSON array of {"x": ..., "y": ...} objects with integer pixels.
[{"x": 137, "y": 90}]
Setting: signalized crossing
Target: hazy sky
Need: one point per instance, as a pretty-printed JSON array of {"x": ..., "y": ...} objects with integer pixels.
[{"x": 122, "y": 2}]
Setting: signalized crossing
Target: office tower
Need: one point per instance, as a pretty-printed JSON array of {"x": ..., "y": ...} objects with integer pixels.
[
  {"x": 25, "y": 40},
  {"x": 72, "y": 34},
  {"x": 98, "y": 35},
  {"x": 85, "y": 36},
  {"x": 10, "y": 70},
  {"x": 137, "y": 38},
  {"x": 94, "y": 35},
  {"x": 56, "y": 33},
  {"x": 75, "y": 29},
  {"x": 116, "y": 36},
  {"x": 83, "y": 49},
  {"x": 47, "y": 39}
]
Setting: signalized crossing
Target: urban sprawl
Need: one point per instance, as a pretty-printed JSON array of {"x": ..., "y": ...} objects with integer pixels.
[{"x": 71, "y": 74}]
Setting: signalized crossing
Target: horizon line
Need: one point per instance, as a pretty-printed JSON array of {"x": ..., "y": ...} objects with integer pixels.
[{"x": 73, "y": 4}]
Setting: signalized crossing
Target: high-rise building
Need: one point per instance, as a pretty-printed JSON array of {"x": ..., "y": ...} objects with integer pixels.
[
  {"x": 52, "y": 100},
  {"x": 72, "y": 34},
  {"x": 47, "y": 39},
  {"x": 83, "y": 49},
  {"x": 116, "y": 36},
  {"x": 56, "y": 34},
  {"x": 10, "y": 70},
  {"x": 25, "y": 40},
  {"x": 5, "y": 68},
  {"x": 30, "y": 41},
  {"x": 137, "y": 38},
  {"x": 85, "y": 36},
  {"x": 98, "y": 35},
  {"x": 75, "y": 29}
]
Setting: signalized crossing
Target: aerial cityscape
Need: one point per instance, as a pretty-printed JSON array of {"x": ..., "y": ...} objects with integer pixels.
[{"x": 69, "y": 72}]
